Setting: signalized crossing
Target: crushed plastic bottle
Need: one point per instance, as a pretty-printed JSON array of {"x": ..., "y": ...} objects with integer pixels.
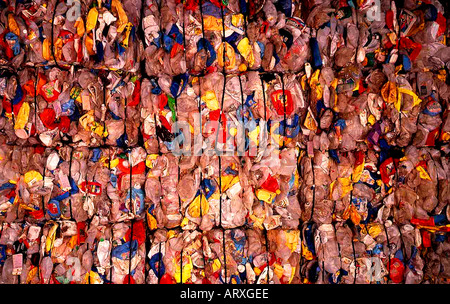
[{"x": 216, "y": 142}]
